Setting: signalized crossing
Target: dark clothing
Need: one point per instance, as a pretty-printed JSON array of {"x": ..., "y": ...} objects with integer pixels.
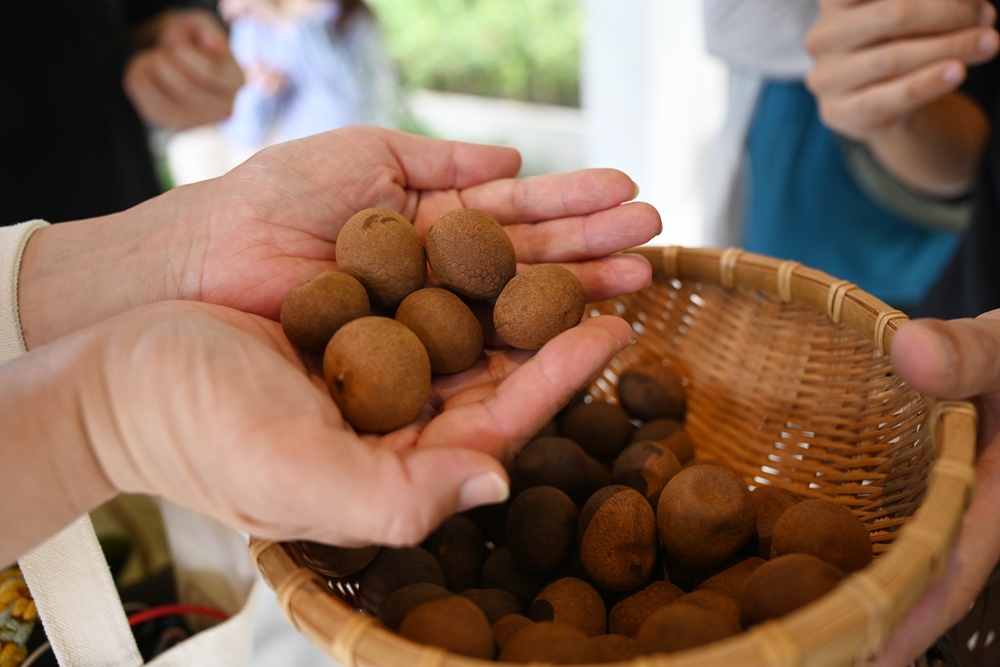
[
  {"x": 970, "y": 283},
  {"x": 72, "y": 145}
]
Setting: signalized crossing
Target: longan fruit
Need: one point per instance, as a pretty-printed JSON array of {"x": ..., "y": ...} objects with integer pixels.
[
  {"x": 537, "y": 305},
  {"x": 313, "y": 311},
  {"x": 470, "y": 253},
  {"x": 445, "y": 325},
  {"x": 618, "y": 538},
  {"x": 378, "y": 373},
  {"x": 826, "y": 530},
  {"x": 705, "y": 515},
  {"x": 380, "y": 248}
]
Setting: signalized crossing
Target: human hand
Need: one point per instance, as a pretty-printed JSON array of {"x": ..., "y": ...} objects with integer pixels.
[
  {"x": 955, "y": 360},
  {"x": 215, "y": 410},
  {"x": 188, "y": 78},
  {"x": 269, "y": 80},
  {"x": 877, "y": 62},
  {"x": 274, "y": 220},
  {"x": 247, "y": 239}
]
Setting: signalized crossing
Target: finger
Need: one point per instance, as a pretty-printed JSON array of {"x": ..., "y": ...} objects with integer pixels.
[
  {"x": 149, "y": 99},
  {"x": 536, "y": 198},
  {"x": 394, "y": 499},
  {"x": 613, "y": 276},
  {"x": 195, "y": 69},
  {"x": 527, "y": 398},
  {"x": 586, "y": 236},
  {"x": 433, "y": 164},
  {"x": 893, "y": 59},
  {"x": 853, "y": 25},
  {"x": 954, "y": 359},
  {"x": 882, "y": 104}
]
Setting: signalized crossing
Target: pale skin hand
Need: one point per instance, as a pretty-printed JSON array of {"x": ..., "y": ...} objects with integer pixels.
[
  {"x": 886, "y": 73},
  {"x": 956, "y": 360},
  {"x": 214, "y": 409},
  {"x": 247, "y": 239},
  {"x": 188, "y": 78}
]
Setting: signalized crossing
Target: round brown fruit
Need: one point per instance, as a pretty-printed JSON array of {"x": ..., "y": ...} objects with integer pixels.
[
  {"x": 378, "y": 373},
  {"x": 705, "y": 515},
  {"x": 445, "y": 325},
  {"x": 646, "y": 467},
  {"x": 470, "y": 254},
  {"x": 333, "y": 561},
  {"x": 651, "y": 391},
  {"x": 382, "y": 250},
  {"x": 453, "y": 623},
  {"x": 784, "y": 584},
  {"x": 618, "y": 538},
  {"x": 601, "y": 428},
  {"x": 538, "y": 305},
  {"x": 313, "y": 311},
  {"x": 541, "y": 528},
  {"x": 573, "y": 601},
  {"x": 826, "y": 530}
]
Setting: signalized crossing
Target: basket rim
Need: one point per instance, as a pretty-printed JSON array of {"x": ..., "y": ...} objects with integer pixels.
[{"x": 848, "y": 625}]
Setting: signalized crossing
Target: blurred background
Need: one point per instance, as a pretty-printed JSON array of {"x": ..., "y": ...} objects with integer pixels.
[{"x": 570, "y": 83}]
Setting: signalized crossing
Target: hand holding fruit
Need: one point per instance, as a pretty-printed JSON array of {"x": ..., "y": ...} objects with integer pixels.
[{"x": 247, "y": 239}]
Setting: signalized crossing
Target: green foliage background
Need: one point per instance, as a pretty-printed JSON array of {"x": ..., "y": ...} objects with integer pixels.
[{"x": 515, "y": 49}]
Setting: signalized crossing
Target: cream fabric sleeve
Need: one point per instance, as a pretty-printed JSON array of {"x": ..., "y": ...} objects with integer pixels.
[{"x": 12, "y": 242}]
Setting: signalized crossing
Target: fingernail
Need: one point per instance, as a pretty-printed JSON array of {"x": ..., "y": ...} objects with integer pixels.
[
  {"x": 486, "y": 489},
  {"x": 988, "y": 43},
  {"x": 953, "y": 73},
  {"x": 987, "y": 15},
  {"x": 636, "y": 193}
]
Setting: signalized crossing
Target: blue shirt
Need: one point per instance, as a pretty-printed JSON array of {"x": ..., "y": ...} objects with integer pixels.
[{"x": 803, "y": 204}]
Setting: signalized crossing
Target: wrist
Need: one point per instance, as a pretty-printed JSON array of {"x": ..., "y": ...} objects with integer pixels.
[
  {"x": 75, "y": 274},
  {"x": 54, "y": 474}
]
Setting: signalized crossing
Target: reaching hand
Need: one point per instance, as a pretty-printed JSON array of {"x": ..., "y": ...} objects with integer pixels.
[
  {"x": 272, "y": 223},
  {"x": 188, "y": 78},
  {"x": 245, "y": 240},
  {"x": 213, "y": 409},
  {"x": 877, "y": 62},
  {"x": 956, "y": 360}
]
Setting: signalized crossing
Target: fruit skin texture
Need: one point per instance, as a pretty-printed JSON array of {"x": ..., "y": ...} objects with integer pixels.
[
  {"x": 574, "y": 601},
  {"x": 378, "y": 373},
  {"x": 313, "y": 311},
  {"x": 618, "y": 538},
  {"x": 383, "y": 251},
  {"x": 470, "y": 253},
  {"x": 541, "y": 528},
  {"x": 454, "y": 623},
  {"x": 446, "y": 326},
  {"x": 704, "y": 515},
  {"x": 823, "y": 529},
  {"x": 538, "y": 305},
  {"x": 652, "y": 391},
  {"x": 784, "y": 584}
]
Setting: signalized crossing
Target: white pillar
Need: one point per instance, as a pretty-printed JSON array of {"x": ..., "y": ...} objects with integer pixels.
[{"x": 652, "y": 100}]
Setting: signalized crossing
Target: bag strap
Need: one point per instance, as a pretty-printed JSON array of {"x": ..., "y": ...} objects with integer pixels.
[{"x": 77, "y": 601}]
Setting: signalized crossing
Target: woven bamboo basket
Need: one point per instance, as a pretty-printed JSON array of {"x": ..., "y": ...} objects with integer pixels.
[{"x": 788, "y": 383}]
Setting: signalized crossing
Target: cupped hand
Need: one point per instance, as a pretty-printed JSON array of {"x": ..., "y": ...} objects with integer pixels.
[
  {"x": 188, "y": 77},
  {"x": 213, "y": 409},
  {"x": 956, "y": 360},
  {"x": 877, "y": 62},
  {"x": 272, "y": 223}
]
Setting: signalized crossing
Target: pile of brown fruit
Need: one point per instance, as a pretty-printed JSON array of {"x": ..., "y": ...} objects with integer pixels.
[
  {"x": 617, "y": 541},
  {"x": 383, "y": 334}
]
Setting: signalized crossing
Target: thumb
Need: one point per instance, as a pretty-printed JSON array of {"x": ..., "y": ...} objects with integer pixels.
[
  {"x": 399, "y": 498},
  {"x": 954, "y": 359}
]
